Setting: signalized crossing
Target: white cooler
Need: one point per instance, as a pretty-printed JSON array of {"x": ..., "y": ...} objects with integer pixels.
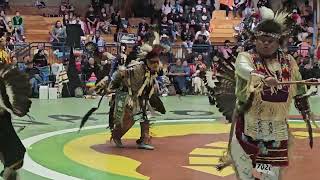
[
  {"x": 44, "y": 92},
  {"x": 53, "y": 93}
]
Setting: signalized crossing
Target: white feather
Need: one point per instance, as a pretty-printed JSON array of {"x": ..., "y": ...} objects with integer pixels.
[
  {"x": 10, "y": 93},
  {"x": 146, "y": 48},
  {"x": 157, "y": 38},
  {"x": 266, "y": 13}
]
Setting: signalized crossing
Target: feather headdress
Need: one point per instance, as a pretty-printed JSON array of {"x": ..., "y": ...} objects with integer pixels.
[
  {"x": 151, "y": 47},
  {"x": 272, "y": 24}
]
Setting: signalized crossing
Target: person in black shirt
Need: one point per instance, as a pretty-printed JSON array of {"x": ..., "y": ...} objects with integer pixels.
[
  {"x": 187, "y": 36},
  {"x": 40, "y": 59},
  {"x": 115, "y": 18},
  {"x": 91, "y": 67}
]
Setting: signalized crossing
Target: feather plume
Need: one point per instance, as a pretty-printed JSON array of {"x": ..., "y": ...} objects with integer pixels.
[
  {"x": 15, "y": 90},
  {"x": 281, "y": 17},
  {"x": 266, "y": 13},
  {"x": 146, "y": 48},
  {"x": 156, "y": 40}
]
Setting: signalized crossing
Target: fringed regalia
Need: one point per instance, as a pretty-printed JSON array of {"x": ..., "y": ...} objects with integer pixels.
[
  {"x": 260, "y": 135},
  {"x": 134, "y": 94}
]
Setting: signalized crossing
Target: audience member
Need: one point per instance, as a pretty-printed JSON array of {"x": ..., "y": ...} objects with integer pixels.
[
  {"x": 92, "y": 20},
  {"x": 18, "y": 22},
  {"x": 178, "y": 72}
]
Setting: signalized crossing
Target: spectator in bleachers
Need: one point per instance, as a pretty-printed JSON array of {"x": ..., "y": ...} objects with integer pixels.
[
  {"x": 63, "y": 9},
  {"x": 227, "y": 6},
  {"x": 89, "y": 68},
  {"x": 4, "y": 16},
  {"x": 34, "y": 78},
  {"x": 200, "y": 45},
  {"x": 193, "y": 19},
  {"x": 41, "y": 47},
  {"x": 22, "y": 64},
  {"x": 177, "y": 7},
  {"x": 40, "y": 59},
  {"x": 14, "y": 62},
  {"x": 307, "y": 11},
  {"x": 166, "y": 8},
  {"x": 58, "y": 34},
  {"x": 187, "y": 36},
  {"x": 197, "y": 82},
  {"x": 304, "y": 48},
  {"x": 115, "y": 18},
  {"x": 187, "y": 70},
  {"x": 92, "y": 20},
  {"x": 19, "y": 38},
  {"x": 104, "y": 26},
  {"x": 18, "y": 22},
  {"x": 99, "y": 41},
  {"x": 109, "y": 10},
  {"x": 103, "y": 14},
  {"x": 199, "y": 6},
  {"x": 264, "y": 3},
  {"x": 205, "y": 18},
  {"x": 238, "y": 7},
  {"x": 40, "y": 4},
  {"x": 10, "y": 29},
  {"x": 72, "y": 18},
  {"x": 70, "y": 8},
  {"x": 179, "y": 76},
  {"x": 187, "y": 4},
  {"x": 296, "y": 17},
  {"x": 3, "y": 28},
  {"x": 82, "y": 24},
  {"x": 179, "y": 18},
  {"x": 142, "y": 32},
  {"x": 174, "y": 30},
  {"x": 203, "y": 32},
  {"x": 226, "y": 50},
  {"x": 165, "y": 27},
  {"x": 66, "y": 20}
]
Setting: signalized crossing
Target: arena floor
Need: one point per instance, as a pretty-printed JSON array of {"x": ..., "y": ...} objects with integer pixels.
[{"x": 188, "y": 140}]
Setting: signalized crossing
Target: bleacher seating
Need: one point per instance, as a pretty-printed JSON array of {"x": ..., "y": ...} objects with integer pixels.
[{"x": 221, "y": 28}]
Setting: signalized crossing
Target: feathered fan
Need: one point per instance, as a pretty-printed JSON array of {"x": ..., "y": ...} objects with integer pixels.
[
  {"x": 224, "y": 90},
  {"x": 15, "y": 90}
]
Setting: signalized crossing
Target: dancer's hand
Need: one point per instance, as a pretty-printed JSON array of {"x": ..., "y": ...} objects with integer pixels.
[{"x": 271, "y": 81}]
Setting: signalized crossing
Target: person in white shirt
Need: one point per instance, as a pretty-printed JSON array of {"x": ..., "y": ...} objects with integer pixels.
[
  {"x": 166, "y": 7},
  {"x": 99, "y": 41},
  {"x": 203, "y": 32}
]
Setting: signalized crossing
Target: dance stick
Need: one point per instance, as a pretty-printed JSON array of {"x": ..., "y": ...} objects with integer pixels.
[{"x": 299, "y": 82}]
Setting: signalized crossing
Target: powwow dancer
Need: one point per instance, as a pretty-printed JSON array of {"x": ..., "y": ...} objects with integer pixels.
[
  {"x": 134, "y": 91},
  {"x": 265, "y": 82},
  {"x": 15, "y": 90}
]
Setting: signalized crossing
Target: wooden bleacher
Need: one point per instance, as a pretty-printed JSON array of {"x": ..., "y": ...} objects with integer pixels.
[
  {"x": 37, "y": 27},
  {"x": 221, "y": 28}
]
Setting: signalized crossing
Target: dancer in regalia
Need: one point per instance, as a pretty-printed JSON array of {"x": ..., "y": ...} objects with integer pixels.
[{"x": 260, "y": 136}]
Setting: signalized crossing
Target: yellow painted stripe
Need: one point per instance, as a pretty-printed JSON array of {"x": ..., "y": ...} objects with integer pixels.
[
  {"x": 219, "y": 144},
  {"x": 208, "y": 152},
  {"x": 304, "y": 134},
  {"x": 203, "y": 160},
  {"x": 212, "y": 170}
]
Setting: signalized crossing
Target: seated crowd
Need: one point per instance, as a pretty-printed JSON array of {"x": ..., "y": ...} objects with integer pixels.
[{"x": 184, "y": 24}]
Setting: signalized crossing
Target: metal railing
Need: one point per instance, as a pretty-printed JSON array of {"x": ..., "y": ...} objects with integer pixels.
[{"x": 177, "y": 51}]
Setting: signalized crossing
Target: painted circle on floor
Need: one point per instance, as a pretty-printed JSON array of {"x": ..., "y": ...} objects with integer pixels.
[{"x": 191, "y": 149}]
